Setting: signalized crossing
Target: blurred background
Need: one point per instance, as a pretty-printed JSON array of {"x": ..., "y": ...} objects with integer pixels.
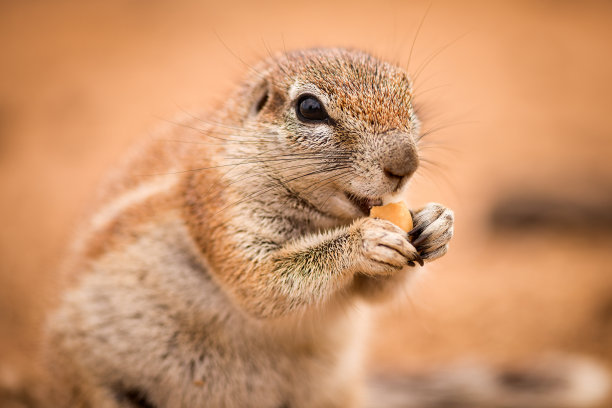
[{"x": 517, "y": 95}]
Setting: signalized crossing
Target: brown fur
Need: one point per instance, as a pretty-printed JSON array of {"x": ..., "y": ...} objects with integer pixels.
[{"x": 222, "y": 264}]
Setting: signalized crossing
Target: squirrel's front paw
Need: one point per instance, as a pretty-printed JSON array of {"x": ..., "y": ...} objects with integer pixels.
[
  {"x": 384, "y": 248},
  {"x": 433, "y": 228}
]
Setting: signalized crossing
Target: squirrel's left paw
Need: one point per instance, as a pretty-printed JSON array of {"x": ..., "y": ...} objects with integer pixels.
[{"x": 433, "y": 228}]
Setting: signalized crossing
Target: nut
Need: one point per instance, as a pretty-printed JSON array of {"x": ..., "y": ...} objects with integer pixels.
[{"x": 397, "y": 213}]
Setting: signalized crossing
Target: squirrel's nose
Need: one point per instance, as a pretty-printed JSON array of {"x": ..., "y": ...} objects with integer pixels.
[{"x": 401, "y": 160}]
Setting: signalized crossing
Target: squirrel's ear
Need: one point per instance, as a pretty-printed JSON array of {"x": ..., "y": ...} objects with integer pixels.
[{"x": 261, "y": 95}]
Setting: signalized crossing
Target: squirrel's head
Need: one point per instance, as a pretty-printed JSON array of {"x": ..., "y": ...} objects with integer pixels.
[{"x": 337, "y": 127}]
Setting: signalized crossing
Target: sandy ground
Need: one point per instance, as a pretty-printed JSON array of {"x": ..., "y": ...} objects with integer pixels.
[{"x": 519, "y": 94}]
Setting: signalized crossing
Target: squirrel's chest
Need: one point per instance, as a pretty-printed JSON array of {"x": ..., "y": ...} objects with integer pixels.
[{"x": 240, "y": 373}]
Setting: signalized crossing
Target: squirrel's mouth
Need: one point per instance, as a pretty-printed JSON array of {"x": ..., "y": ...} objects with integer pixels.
[{"x": 364, "y": 204}]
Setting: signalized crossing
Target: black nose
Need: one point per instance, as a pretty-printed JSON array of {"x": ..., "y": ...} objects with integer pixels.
[{"x": 401, "y": 159}]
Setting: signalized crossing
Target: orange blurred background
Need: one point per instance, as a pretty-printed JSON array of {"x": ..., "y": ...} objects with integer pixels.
[{"x": 519, "y": 95}]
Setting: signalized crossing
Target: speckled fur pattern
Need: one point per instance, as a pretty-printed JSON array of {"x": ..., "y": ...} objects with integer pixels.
[{"x": 227, "y": 261}]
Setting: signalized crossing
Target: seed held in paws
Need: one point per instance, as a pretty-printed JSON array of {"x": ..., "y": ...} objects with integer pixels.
[{"x": 397, "y": 213}]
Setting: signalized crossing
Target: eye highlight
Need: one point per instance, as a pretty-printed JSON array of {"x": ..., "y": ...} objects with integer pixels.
[{"x": 309, "y": 109}]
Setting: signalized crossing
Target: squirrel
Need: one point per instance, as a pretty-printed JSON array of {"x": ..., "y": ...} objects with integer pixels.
[
  {"x": 225, "y": 257},
  {"x": 222, "y": 264}
]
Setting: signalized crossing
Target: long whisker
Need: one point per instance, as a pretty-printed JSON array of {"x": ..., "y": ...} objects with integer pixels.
[
  {"x": 433, "y": 56},
  {"x": 437, "y": 146},
  {"x": 211, "y": 123},
  {"x": 416, "y": 35},
  {"x": 342, "y": 177},
  {"x": 442, "y": 127},
  {"x": 433, "y": 163},
  {"x": 259, "y": 74},
  {"x": 315, "y": 157},
  {"x": 208, "y": 133},
  {"x": 330, "y": 179},
  {"x": 259, "y": 193},
  {"x": 317, "y": 185},
  {"x": 252, "y": 161},
  {"x": 250, "y": 174},
  {"x": 419, "y": 93},
  {"x": 332, "y": 168},
  {"x": 314, "y": 186},
  {"x": 439, "y": 173}
]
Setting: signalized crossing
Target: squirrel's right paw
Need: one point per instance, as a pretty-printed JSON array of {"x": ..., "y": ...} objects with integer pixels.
[{"x": 384, "y": 248}]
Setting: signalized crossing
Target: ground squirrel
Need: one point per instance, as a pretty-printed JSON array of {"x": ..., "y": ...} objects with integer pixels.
[{"x": 221, "y": 266}]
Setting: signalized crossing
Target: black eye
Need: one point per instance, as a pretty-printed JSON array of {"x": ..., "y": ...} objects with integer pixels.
[{"x": 310, "y": 109}]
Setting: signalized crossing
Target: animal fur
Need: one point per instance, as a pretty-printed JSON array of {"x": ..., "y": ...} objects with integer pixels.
[{"x": 222, "y": 264}]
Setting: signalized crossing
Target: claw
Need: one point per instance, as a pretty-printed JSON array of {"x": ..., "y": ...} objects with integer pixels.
[
  {"x": 416, "y": 231},
  {"x": 410, "y": 263},
  {"x": 419, "y": 240},
  {"x": 420, "y": 260}
]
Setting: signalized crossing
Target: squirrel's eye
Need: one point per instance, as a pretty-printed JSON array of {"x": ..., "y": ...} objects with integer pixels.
[{"x": 310, "y": 109}]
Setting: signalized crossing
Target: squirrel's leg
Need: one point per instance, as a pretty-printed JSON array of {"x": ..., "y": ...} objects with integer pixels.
[{"x": 311, "y": 271}]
